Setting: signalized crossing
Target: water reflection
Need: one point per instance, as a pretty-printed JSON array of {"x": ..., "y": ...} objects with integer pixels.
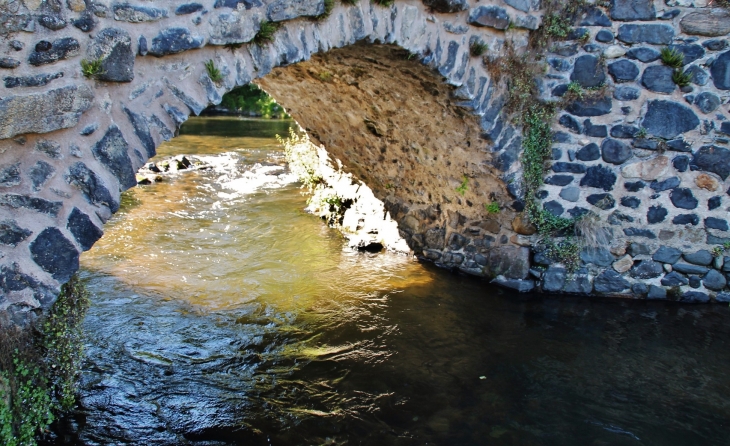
[{"x": 238, "y": 319}]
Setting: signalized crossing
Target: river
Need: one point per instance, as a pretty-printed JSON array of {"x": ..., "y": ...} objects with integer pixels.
[{"x": 222, "y": 313}]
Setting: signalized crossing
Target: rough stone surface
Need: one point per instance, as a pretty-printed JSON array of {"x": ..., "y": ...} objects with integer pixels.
[
  {"x": 137, "y": 14},
  {"x": 714, "y": 159},
  {"x": 11, "y": 234},
  {"x": 632, "y": 10},
  {"x": 55, "y": 254},
  {"x": 658, "y": 78},
  {"x": 720, "y": 71},
  {"x": 667, "y": 119},
  {"x": 590, "y": 107},
  {"x": 490, "y": 16},
  {"x": 710, "y": 23},
  {"x": 610, "y": 282},
  {"x": 674, "y": 279},
  {"x": 666, "y": 254},
  {"x": 656, "y": 34},
  {"x": 113, "y": 46},
  {"x": 83, "y": 229},
  {"x": 52, "y": 52},
  {"x": 173, "y": 41},
  {"x": 588, "y": 71},
  {"x": 614, "y": 151},
  {"x": 600, "y": 177},
  {"x": 688, "y": 268},
  {"x": 623, "y": 71},
  {"x": 643, "y": 54},
  {"x": 646, "y": 269},
  {"x": 714, "y": 280}
]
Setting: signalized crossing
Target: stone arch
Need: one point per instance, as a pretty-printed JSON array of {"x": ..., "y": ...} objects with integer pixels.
[{"x": 71, "y": 144}]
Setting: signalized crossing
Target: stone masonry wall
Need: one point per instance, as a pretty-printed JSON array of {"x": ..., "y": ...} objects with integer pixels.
[{"x": 648, "y": 158}]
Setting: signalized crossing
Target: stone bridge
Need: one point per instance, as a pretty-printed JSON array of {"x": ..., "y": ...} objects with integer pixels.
[{"x": 398, "y": 93}]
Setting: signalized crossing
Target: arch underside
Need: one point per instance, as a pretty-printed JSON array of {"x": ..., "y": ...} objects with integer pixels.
[{"x": 386, "y": 105}]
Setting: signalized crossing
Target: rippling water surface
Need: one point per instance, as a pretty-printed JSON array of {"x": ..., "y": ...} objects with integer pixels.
[{"x": 224, "y": 314}]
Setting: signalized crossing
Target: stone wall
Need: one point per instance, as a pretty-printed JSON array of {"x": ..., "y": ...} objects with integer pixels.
[{"x": 69, "y": 144}]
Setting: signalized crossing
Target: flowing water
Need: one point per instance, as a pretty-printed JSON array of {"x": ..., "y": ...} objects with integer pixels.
[{"x": 224, "y": 314}]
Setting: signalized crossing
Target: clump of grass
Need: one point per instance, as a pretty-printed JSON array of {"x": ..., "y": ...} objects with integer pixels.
[
  {"x": 576, "y": 89},
  {"x": 329, "y": 5},
  {"x": 681, "y": 78},
  {"x": 213, "y": 72},
  {"x": 642, "y": 133},
  {"x": 324, "y": 76},
  {"x": 594, "y": 232},
  {"x": 91, "y": 68},
  {"x": 671, "y": 57},
  {"x": 492, "y": 208},
  {"x": 349, "y": 2},
  {"x": 556, "y": 25},
  {"x": 384, "y": 3},
  {"x": 464, "y": 186},
  {"x": 265, "y": 34},
  {"x": 477, "y": 48}
]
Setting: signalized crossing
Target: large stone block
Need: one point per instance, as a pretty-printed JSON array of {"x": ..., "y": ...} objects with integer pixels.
[
  {"x": 112, "y": 151},
  {"x": 668, "y": 119},
  {"x": 47, "y": 52},
  {"x": 708, "y": 22},
  {"x": 489, "y": 16},
  {"x": 714, "y": 159},
  {"x": 44, "y": 112},
  {"x": 113, "y": 46},
  {"x": 173, "y": 41},
  {"x": 55, "y": 254},
  {"x": 656, "y": 34}
]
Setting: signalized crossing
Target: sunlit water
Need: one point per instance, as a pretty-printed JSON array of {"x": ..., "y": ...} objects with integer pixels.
[{"x": 224, "y": 314}]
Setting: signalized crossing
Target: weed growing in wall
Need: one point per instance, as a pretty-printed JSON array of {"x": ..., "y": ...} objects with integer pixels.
[
  {"x": 681, "y": 78},
  {"x": 38, "y": 368},
  {"x": 265, "y": 34},
  {"x": 329, "y": 5},
  {"x": 464, "y": 186},
  {"x": 492, "y": 208},
  {"x": 213, "y": 72},
  {"x": 671, "y": 57},
  {"x": 91, "y": 68},
  {"x": 478, "y": 48}
]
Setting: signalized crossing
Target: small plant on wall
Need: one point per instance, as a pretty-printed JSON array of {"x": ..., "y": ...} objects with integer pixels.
[
  {"x": 265, "y": 34},
  {"x": 91, "y": 68},
  {"x": 464, "y": 185},
  {"x": 213, "y": 72}
]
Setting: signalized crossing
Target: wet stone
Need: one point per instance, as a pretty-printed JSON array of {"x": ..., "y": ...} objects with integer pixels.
[
  {"x": 590, "y": 152},
  {"x": 686, "y": 219},
  {"x": 601, "y": 201},
  {"x": 674, "y": 279},
  {"x": 695, "y": 297},
  {"x": 656, "y": 214},
  {"x": 623, "y": 71},
  {"x": 519, "y": 285},
  {"x": 655, "y": 34},
  {"x": 55, "y": 254},
  {"x": 40, "y": 173},
  {"x": 600, "y": 177},
  {"x": 554, "y": 279},
  {"x": 714, "y": 159},
  {"x": 668, "y": 119},
  {"x": 654, "y": 292},
  {"x": 716, "y": 223},
  {"x": 588, "y": 71},
  {"x": 694, "y": 282},
  {"x": 11, "y": 234},
  {"x": 626, "y": 93},
  {"x": 630, "y": 202},
  {"x": 489, "y": 16},
  {"x": 643, "y": 54},
  {"x": 58, "y": 50},
  {"x": 658, "y": 78}
]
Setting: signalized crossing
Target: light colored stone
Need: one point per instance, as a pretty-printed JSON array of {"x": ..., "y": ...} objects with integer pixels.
[
  {"x": 614, "y": 51},
  {"x": 618, "y": 250},
  {"x": 668, "y": 267},
  {"x": 623, "y": 264},
  {"x": 704, "y": 181},
  {"x": 32, "y": 4},
  {"x": 521, "y": 225},
  {"x": 648, "y": 170},
  {"x": 710, "y": 23},
  {"x": 76, "y": 5}
]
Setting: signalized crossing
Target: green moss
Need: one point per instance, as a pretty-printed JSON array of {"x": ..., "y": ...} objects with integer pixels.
[{"x": 492, "y": 208}]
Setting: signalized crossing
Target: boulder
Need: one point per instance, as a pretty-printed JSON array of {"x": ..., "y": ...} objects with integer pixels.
[
  {"x": 714, "y": 280},
  {"x": 554, "y": 279},
  {"x": 519, "y": 285}
]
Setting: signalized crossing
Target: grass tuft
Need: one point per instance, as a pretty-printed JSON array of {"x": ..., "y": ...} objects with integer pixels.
[
  {"x": 384, "y": 3},
  {"x": 265, "y": 35},
  {"x": 91, "y": 68},
  {"x": 477, "y": 48},
  {"x": 681, "y": 78},
  {"x": 671, "y": 57},
  {"x": 329, "y": 5},
  {"x": 213, "y": 72}
]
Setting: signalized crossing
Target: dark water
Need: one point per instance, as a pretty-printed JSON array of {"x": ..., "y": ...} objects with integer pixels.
[{"x": 223, "y": 314}]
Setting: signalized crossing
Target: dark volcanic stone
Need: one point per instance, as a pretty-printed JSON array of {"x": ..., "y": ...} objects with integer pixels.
[
  {"x": 688, "y": 268},
  {"x": 667, "y": 119},
  {"x": 655, "y": 34},
  {"x": 604, "y": 36},
  {"x": 188, "y": 8},
  {"x": 695, "y": 297},
  {"x": 9, "y": 62},
  {"x": 656, "y": 292},
  {"x": 714, "y": 203},
  {"x": 714, "y": 159},
  {"x": 52, "y": 22},
  {"x": 38, "y": 80},
  {"x": 519, "y": 285},
  {"x": 614, "y": 151},
  {"x": 554, "y": 279},
  {"x": 82, "y": 178},
  {"x": 85, "y": 22},
  {"x": 142, "y": 130},
  {"x": 491, "y": 16},
  {"x": 601, "y": 201},
  {"x": 715, "y": 44},
  {"x": 597, "y": 256},
  {"x": 679, "y": 145},
  {"x": 669, "y": 183},
  {"x": 707, "y": 102},
  {"x": 656, "y": 214},
  {"x": 16, "y": 201},
  {"x": 634, "y": 186},
  {"x": 562, "y": 166},
  {"x": 646, "y": 269},
  {"x": 716, "y": 223},
  {"x": 554, "y": 208},
  {"x": 626, "y": 93},
  {"x": 674, "y": 279},
  {"x": 686, "y": 219},
  {"x": 714, "y": 280},
  {"x": 596, "y": 131},
  {"x": 632, "y": 10},
  {"x": 571, "y": 124},
  {"x": 59, "y": 50},
  {"x": 623, "y": 71},
  {"x": 114, "y": 47},
  {"x": 173, "y": 41},
  {"x": 643, "y": 54},
  {"x": 590, "y": 152},
  {"x": 559, "y": 180},
  {"x": 55, "y": 254},
  {"x": 599, "y": 176},
  {"x": 11, "y": 234},
  {"x": 720, "y": 71},
  {"x": 83, "y": 229},
  {"x": 40, "y": 173},
  {"x": 681, "y": 163},
  {"x": 694, "y": 282},
  {"x": 447, "y": 6},
  {"x": 636, "y": 232},
  {"x": 588, "y": 71},
  {"x": 630, "y": 202},
  {"x": 658, "y": 78},
  {"x": 610, "y": 281},
  {"x": 624, "y": 131},
  {"x": 666, "y": 254},
  {"x": 111, "y": 151},
  {"x": 683, "y": 198},
  {"x": 10, "y": 175},
  {"x": 691, "y": 52},
  {"x": 590, "y": 107}
]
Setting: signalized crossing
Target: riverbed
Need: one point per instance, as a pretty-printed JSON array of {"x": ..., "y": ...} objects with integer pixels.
[{"x": 222, "y": 313}]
